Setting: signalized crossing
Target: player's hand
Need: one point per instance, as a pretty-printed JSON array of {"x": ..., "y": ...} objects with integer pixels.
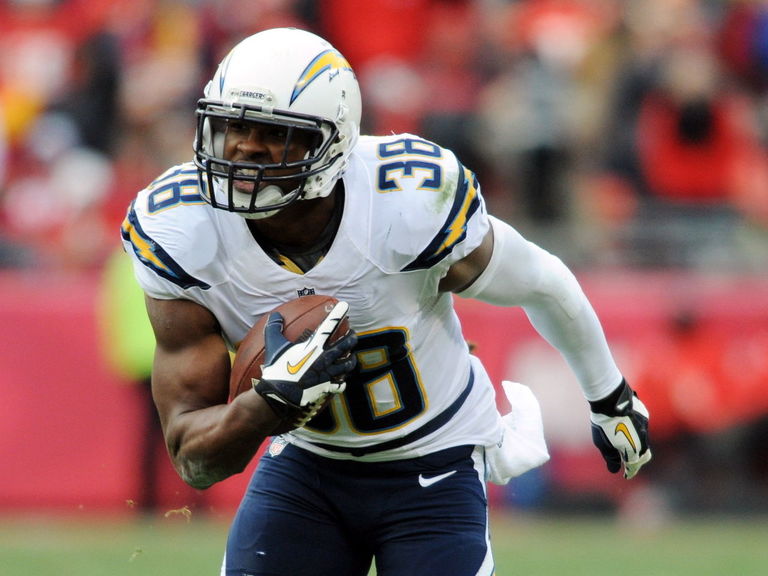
[
  {"x": 620, "y": 430},
  {"x": 297, "y": 377}
]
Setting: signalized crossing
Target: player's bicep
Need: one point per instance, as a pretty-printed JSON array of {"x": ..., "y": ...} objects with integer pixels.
[
  {"x": 191, "y": 365},
  {"x": 464, "y": 272}
]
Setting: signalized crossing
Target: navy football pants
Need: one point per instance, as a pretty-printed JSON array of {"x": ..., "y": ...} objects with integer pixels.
[{"x": 305, "y": 515}]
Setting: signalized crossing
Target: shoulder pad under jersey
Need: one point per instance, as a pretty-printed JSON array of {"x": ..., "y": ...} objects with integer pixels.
[
  {"x": 172, "y": 231},
  {"x": 426, "y": 206}
]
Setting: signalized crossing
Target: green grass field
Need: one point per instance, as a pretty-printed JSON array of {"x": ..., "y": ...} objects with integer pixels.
[{"x": 524, "y": 546}]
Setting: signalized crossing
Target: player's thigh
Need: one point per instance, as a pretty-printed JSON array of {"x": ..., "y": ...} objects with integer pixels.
[
  {"x": 440, "y": 529},
  {"x": 284, "y": 528}
]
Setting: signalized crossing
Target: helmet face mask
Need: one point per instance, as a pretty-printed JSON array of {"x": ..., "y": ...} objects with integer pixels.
[
  {"x": 289, "y": 132},
  {"x": 305, "y": 107}
]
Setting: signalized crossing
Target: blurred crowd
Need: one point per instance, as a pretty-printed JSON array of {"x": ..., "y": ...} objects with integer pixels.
[{"x": 615, "y": 132}]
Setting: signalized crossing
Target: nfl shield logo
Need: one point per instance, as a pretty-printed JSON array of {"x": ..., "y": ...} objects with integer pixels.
[
  {"x": 277, "y": 446},
  {"x": 305, "y": 292}
]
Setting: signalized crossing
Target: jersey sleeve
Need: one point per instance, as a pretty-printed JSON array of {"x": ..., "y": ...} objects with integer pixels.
[
  {"x": 462, "y": 228},
  {"x": 428, "y": 208},
  {"x": 164, "y": 232}
]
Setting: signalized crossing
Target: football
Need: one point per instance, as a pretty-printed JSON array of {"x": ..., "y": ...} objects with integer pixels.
[{"x": 301, "y": 315}]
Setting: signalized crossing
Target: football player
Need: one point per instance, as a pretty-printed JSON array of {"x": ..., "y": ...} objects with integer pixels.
[{"x": 285, "y": 197}]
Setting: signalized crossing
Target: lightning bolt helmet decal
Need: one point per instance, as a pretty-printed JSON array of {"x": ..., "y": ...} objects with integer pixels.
[{"x": 330, "y": 60}]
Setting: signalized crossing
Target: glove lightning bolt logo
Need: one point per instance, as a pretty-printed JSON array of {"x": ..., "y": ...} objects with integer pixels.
[{"x": 622, "y": 427}]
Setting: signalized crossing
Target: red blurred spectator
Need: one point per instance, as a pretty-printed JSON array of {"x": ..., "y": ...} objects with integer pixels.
[
  {"x": 385, "y": 28},
  {"x": 693, "y": 135}
]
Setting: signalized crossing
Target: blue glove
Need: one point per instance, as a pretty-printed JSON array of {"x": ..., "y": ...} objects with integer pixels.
[
  {"x": 298, "y": 377},
  {"x": 620, "y": 430}
]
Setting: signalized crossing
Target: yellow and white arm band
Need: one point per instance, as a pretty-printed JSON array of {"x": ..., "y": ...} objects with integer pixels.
[{"x": 520, "y": 273}]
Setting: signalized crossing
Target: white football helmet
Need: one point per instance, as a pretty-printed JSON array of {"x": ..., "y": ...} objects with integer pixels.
[{"x": 291, "y": 81}]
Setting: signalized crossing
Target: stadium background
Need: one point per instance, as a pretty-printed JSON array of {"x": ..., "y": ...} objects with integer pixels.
[{"x": 629, "y": 137}]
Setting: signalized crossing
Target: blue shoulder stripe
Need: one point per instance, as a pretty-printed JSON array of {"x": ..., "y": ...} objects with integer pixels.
[
  {"x": 465, "y": 203},
  {"x": 152, "y": 255}
]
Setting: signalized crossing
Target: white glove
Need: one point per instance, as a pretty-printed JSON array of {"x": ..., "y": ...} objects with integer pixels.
[
  {"x": 522, "y": 446},
  {"x": 620, "y": 430},
  {"x": 297, "y": 377}
]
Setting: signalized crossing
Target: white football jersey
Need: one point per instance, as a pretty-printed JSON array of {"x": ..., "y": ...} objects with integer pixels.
[{"x": 410, "y": 211}]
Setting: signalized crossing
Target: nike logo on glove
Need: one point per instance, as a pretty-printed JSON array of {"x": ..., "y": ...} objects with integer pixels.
[
  {"x": 294, "y": 368},
  {"x": 621, "y": 427},
  {"x": 426, "y": 482}
]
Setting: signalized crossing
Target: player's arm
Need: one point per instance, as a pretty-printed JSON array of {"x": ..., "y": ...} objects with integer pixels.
[
  {"x": 208, "y": 439},
  {"x": 507, "y": 270}
]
